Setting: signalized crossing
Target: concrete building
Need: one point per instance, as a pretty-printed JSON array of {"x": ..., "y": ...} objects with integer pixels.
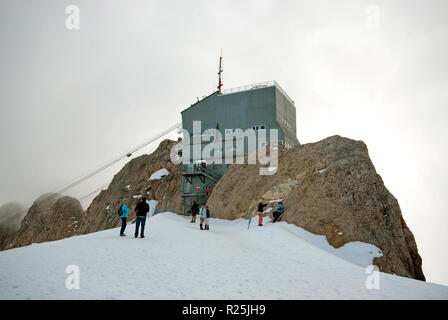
[{"x": 259, "y": 107}]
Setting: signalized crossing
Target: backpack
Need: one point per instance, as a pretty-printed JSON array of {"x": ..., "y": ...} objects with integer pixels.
[
  {"x": 120, "y": 211},
  {"x": 208, "y": 213}
]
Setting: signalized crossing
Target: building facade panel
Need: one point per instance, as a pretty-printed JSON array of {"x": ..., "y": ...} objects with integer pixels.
[{"x": 257, "y": 109}]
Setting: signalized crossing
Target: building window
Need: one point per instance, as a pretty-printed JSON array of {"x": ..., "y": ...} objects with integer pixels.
[{"x": 259, "y": 127}]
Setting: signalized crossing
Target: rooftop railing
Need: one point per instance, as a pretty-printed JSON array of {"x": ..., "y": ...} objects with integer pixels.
[{"x": 265, "y": 84}]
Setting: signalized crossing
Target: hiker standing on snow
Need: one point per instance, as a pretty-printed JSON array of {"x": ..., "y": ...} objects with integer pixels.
[
  {"x": 202, "y": 215},
  {"x": 124, "y": 216},
  {"x": 194, "y": 212},
  {"x": 280, "y": 210},
  {"x": 207, "y": 217},
  {"x": 141, "y": 210},
  {"x": 260, "y": 213}
]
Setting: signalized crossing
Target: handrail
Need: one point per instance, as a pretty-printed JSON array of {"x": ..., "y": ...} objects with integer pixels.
[
  {"x": 210, "y": 173},
  {"x": 200, "y": 169},
  {"x": 270, "y": 83}
]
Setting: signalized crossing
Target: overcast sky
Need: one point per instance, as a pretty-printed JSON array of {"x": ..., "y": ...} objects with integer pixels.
[{"x": 72, "y": 100}]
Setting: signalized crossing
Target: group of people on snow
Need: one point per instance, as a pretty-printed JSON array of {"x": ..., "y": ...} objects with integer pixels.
[
  {"x": 141, "y": 210},
  {"x": 276, "y": 214},
  {"x": 204, "y": 215}
]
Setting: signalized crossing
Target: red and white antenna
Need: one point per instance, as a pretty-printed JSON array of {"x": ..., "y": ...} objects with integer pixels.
[{"x": 219, "y": 74}]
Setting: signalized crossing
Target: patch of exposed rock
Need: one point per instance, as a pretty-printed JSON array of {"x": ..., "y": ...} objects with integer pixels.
[
  {"x": 11, "y": 215},
  {"x": 329, "y": 188},
  {"x": 132, "y": 183},
  {"x": 51, "y": 217}
]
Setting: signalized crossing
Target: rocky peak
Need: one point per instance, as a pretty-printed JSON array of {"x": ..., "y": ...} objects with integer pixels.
[
  {"x": 11, "y": 215},
  {"x": 329, "y": 188},
  {"x": 51, "y": 217},
  {"x": 132, "y": 182}
]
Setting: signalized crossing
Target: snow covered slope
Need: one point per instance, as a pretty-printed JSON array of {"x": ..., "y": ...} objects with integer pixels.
[{"x": 178, "y": 261}]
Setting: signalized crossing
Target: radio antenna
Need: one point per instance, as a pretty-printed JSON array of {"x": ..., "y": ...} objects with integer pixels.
[{"x": 219, "y": 73}]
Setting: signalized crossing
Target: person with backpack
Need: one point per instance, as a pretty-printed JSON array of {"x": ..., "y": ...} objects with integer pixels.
[
  {"x": 260, "y": 213},
  {"x": 207, "y": 218},
  {"x": 123, "y": 214},
  {"x": 194, "y": 212},
  {"x": 141, "y": 211},
  {"x": 280, "y": 210},
  {"x": 202, "y": 215}
]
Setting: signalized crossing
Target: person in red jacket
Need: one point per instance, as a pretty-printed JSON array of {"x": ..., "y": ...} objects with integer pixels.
[{"x": 260, "y": 213}]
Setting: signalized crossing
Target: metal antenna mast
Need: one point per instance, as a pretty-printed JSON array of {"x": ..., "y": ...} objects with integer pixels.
[{"x": 219, "y": 74}]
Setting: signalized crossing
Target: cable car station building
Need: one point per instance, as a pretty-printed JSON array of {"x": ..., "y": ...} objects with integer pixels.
[{"x": 257, "y": 107}]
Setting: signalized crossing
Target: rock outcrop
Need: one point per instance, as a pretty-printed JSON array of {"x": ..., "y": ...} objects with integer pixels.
[
  {"x": 132, "y": 183},
  {"x": 11, "y": 215},
  {"x": 51, "y": 217},
  {"x": 329, "y": 188}
]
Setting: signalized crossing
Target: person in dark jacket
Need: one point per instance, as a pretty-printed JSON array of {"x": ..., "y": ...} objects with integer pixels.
[
  {"x": 141, "y": 210},
  {"x": 260, "y": 213},
  {"x": 280, "y": 210},
  {"x": 194, "y": 212}
]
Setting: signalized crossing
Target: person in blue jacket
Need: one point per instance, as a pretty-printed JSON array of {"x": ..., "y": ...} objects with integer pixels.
[
  {"x": 124, "y": 216},
  {"x": 202, "y": 215},
  {"x": 280, "y": 210}
]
